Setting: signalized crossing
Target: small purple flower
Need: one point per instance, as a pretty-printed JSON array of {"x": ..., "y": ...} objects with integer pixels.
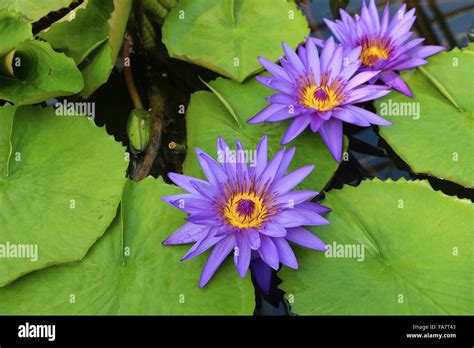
[
  {"x": 385, "y": 45},
  {"x": 319, "y": 91},
  {"x": 249, "y": 210}
]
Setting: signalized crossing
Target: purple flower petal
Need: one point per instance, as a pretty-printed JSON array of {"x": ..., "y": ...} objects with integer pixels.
[
  {"x": 253, "y": 238},
  {"x": 261, "y": 159},
  {"x": 262, "y": 274},
  {"x": 285, "y": 163},
  {"x": 293, "y": 58},
  {"x": 331, "y": 132},
  {"x": 293, "y": 198},
  {"x": 299, "y": 217},
  {"x": 313, "y": 60},
  {"x": 188, "y": 233},
  {"x": 285, "y": 113},
  {"x": 281, "y": 98},
  {"x": 362, "y": 94},
  {"x": 302, "y": 56},
  {"x": 241, "y": 166},
  {"x": 211, "y": 169},
  {"x": 393, "y": 80},
  {"x": 268, "y": 252},
  {"x": 204, "y": 188},
  {"x": 288, "y": 182},
  {"x": 296, "y": 128},
  {"x": 183, "y": 181},
  {"x": 273, "y": 230},
  {"x": 426, "y": 51},
  {"x": 205, "y": 218},
  {"x": 327, "y": 54},
  {"x": 316, "y": 123},
  {"x": 225, "y": 150},
  {"x": 360, "y": 79},
  {"x": 218, "y": 254},
  {"x": 274, "y": 69},
  {"x": 375, "y": 16},
  {"x": 201, "y": 246},
  {"x": 369, "y": 116},
  {"x": 271, "y": 169},
  {"x": 346, "y": 115},
  {"x": 314, "y": 207},
  {"x": 241, "y": 255},
  {"x": 303, "y": 237},
  {"x": 266, "y": 113},
  {"x": 286, "y": 255}
]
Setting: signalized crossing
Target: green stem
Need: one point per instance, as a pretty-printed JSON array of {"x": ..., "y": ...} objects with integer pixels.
[{"x": 127, "y": 72}]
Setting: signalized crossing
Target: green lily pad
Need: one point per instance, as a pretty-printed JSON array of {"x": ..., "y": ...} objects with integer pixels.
[
  {"x": 61, "y": 185},
  {"x": 98, "y": 65},
  {"x": 129, "y": 272},
  {"x": 40, "y": 74},
  {"x": 417, "y": 257},
  {"x": 96, "y": 69},
  {"x": 14, "y": 29},
  {"x": 225, "y": 113},
  {"x": 33, "y": 10},
  {"x": 69, "y": 36},
  {"x": 438, "y": 139},
  {"x": 220, "y": 34}
]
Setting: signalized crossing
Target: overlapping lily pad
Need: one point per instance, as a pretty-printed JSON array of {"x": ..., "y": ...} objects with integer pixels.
[
  {"x": 69, "y": 36},
  {"x": 94, "y": 51},
  {"x": 40, "y": 74},
  {"x": 14, "y": 29},
  {"x": 61, "y": 183},
  {"x": 128, "y": 271},
  {"x": 225, "y": 112},
  {"x": 439, "y": 139},
  {"x": 417, "y": 257},
  {"x": 33, "y": 10},
  {"x": 220, "y": 34}
]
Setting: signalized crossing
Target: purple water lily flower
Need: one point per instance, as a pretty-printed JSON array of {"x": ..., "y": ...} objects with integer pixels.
[
  {"x": 250, "y": 210},
  {"x": 384, "y": 42},
  {"x": 320, "y": 92}
]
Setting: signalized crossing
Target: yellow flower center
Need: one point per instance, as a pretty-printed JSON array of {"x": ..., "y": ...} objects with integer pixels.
[
  {"x": 324, "y": 97},
  {"x": 373, "y": 50},
  {"x": 245, "y": 210}
]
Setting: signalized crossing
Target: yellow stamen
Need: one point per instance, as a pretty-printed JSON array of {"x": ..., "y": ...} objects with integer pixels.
[
  {"x": 324, "y": 97},
  {"x": 246, "y": 207},
  {"x": 244, "y": 221},
  {"x": 373, "y": 50}
]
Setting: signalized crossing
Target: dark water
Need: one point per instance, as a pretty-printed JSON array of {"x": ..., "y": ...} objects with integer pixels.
[{"x": 442, "y": 22}]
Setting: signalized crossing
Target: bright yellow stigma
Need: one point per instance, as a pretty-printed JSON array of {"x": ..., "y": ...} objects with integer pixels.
[
  {"x": 245, "y": 210},
  {"x": 324, "y": 97},
  {"x": 373, "y": 50}
]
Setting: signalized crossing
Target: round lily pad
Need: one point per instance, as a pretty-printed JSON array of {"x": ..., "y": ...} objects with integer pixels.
[
  {"x": 40, "y": 74},
  {"x": 129, "y": 272},
  {"x": 395, "y": 248},
  {"x": 225, "y": 111},
  {"x": 220, "y": 34},
  {"x": 434, "y": 131},
  {"x": 62, "y": 179}
]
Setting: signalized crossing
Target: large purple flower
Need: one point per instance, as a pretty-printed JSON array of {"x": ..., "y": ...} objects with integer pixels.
[
  {"x": 248, "y": 209},
  {"x": 319, "y": 91},
  {"x": 385, "y": 45}
]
